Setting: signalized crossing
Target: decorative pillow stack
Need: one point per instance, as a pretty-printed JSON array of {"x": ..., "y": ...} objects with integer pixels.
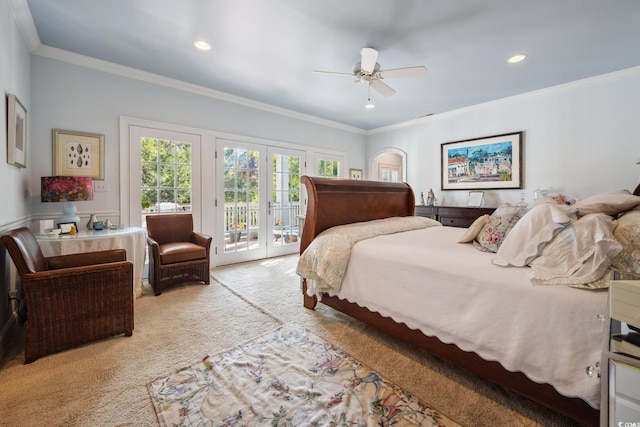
[
  {"x": 565, "y": 243},
  {"x": 498, "y": 227}
]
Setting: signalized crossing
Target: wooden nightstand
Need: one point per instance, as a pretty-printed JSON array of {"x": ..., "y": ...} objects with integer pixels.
[{"x": 453, "y": 216}]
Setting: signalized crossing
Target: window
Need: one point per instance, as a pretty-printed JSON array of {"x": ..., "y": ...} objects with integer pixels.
[
  {"x": 166, "y": 176},
  {"x": 328, "y": 165}
]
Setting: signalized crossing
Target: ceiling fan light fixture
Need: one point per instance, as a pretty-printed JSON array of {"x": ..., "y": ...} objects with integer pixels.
[
  {"x": 202, "y": 45},
  {"x": 517, "y": 58}
]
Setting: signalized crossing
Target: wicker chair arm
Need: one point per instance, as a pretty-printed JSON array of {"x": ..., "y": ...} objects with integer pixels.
[
  {"x": 201, "y": 239},
  {"x": 87, "y": 258},
  {"x": 63, "y": 274},
  {"x": 154, "y": 246}
]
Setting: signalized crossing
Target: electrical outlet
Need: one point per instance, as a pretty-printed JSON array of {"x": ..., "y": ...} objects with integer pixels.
[{"x": 100, "y": 186}]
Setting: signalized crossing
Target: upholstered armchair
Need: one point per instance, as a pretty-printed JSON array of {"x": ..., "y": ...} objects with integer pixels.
[
  {"x": 177, "y": 254},
  {"x": 71, "y": 299}
]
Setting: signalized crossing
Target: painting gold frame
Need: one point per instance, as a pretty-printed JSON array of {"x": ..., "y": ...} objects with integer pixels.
[
  {"x": 16, "y": 132},
  {"x": 78, "y": 154}
]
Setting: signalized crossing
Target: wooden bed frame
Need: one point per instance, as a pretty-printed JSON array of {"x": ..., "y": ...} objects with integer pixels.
[{"x": 334, "y": 202}]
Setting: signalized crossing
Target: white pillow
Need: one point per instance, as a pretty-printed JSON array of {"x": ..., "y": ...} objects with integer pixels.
[
  {"x": 530, "y": 234},
  {"x": 473, "y": 230},
  {"x": 611, "y": 203}
]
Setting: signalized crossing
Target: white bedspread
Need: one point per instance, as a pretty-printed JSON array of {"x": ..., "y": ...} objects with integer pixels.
[
  {"x": 452, "y": 291},
  {"x": 324, "y": 262}
]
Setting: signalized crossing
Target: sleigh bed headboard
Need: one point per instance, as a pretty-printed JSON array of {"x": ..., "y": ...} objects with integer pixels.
[{"x": 334, "y": 202}]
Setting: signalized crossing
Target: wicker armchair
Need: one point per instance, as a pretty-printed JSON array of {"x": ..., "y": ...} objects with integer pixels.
[
  {"x": 71, "y": 299},
  {"x": 177, "y": 254}
]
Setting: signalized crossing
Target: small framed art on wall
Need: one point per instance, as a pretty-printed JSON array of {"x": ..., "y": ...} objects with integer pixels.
[
  {"x": 78, "y": 154},
  {"x": 16, "y": 132}
]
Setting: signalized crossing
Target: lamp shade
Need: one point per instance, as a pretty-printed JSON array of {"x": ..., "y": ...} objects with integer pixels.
[{"x": 66, "y": 188}]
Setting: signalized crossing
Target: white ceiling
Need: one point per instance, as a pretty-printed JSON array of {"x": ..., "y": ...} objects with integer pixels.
[{"x": 265, "y": 50}]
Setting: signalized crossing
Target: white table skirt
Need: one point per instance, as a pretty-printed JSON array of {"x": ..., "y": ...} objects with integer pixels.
[{"x": 132, "y": 239}]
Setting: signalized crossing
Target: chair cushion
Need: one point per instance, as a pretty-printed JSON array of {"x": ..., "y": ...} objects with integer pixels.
[{"x": 171, "y": 253}]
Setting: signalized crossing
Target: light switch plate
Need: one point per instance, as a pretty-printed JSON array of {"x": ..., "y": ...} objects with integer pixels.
[{"x": 100, "y": 186}]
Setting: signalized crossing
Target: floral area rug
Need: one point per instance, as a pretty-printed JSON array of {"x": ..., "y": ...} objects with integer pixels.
[{"x": 288, "y": 377}]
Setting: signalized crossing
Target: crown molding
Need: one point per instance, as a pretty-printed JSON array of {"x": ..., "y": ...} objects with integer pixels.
[
  {"x": 136, "y": 74},
  {"x": 589, "y": 81},
  {"x": 24, "y": 21}
]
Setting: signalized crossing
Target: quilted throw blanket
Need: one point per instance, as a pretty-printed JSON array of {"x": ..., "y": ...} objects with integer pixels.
[{"x": 325, "y": 261}]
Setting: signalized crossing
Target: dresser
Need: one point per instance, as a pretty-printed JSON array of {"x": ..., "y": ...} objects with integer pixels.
[{"x": 452, "y": 216}]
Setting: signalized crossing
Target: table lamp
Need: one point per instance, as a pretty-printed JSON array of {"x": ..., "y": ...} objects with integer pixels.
[{"x": 66, "y": 189}]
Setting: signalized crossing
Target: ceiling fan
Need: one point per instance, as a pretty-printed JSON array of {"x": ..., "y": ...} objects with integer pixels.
[{"x": 368, "y": 71}]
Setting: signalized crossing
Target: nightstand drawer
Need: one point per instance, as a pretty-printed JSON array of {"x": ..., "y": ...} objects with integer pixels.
[
  {"x": 426, "y": 211},
  {"x": 625, "y": 301},
  {"x": 452, "y": 216},
  {"x": 626, "y": 383},
  {"x": 456, "y": 221}
]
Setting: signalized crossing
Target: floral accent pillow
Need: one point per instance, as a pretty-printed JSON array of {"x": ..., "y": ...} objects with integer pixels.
[{"x": 497, "y": 227}]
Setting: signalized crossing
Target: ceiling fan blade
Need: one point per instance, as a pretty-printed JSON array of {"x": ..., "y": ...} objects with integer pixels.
[
  {"x": 333, "y": 72},
  {"x": 382, "y": 87},
  {"x": 404, "y": 72},
  {"x": 369, "y": 59}
]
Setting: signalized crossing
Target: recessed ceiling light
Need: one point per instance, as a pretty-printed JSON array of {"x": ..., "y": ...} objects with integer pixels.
[
  {"x": 517, "y": 58},
  {"x": 369, "y": 105},
  {"x": 202, "y": 45}
]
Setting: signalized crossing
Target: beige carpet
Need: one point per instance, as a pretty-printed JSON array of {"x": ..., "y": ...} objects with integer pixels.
[{"x": 104, "y": 383}]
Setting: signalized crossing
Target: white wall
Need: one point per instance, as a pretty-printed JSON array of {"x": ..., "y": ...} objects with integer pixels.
[
  {"x": 15, "y": 72},
  {"x": 580, "y": 139},
  {"x": 73, "y": 97}
]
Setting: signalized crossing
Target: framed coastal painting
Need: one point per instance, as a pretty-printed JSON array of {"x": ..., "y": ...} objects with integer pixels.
[
  {"x": 78, "y": 154},
  {"x": 16, "y": 132},
  {"x": 491, "y": 162}
]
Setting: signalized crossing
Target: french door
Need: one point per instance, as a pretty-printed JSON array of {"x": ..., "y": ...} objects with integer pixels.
[{"x": 258, "y": 201}]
